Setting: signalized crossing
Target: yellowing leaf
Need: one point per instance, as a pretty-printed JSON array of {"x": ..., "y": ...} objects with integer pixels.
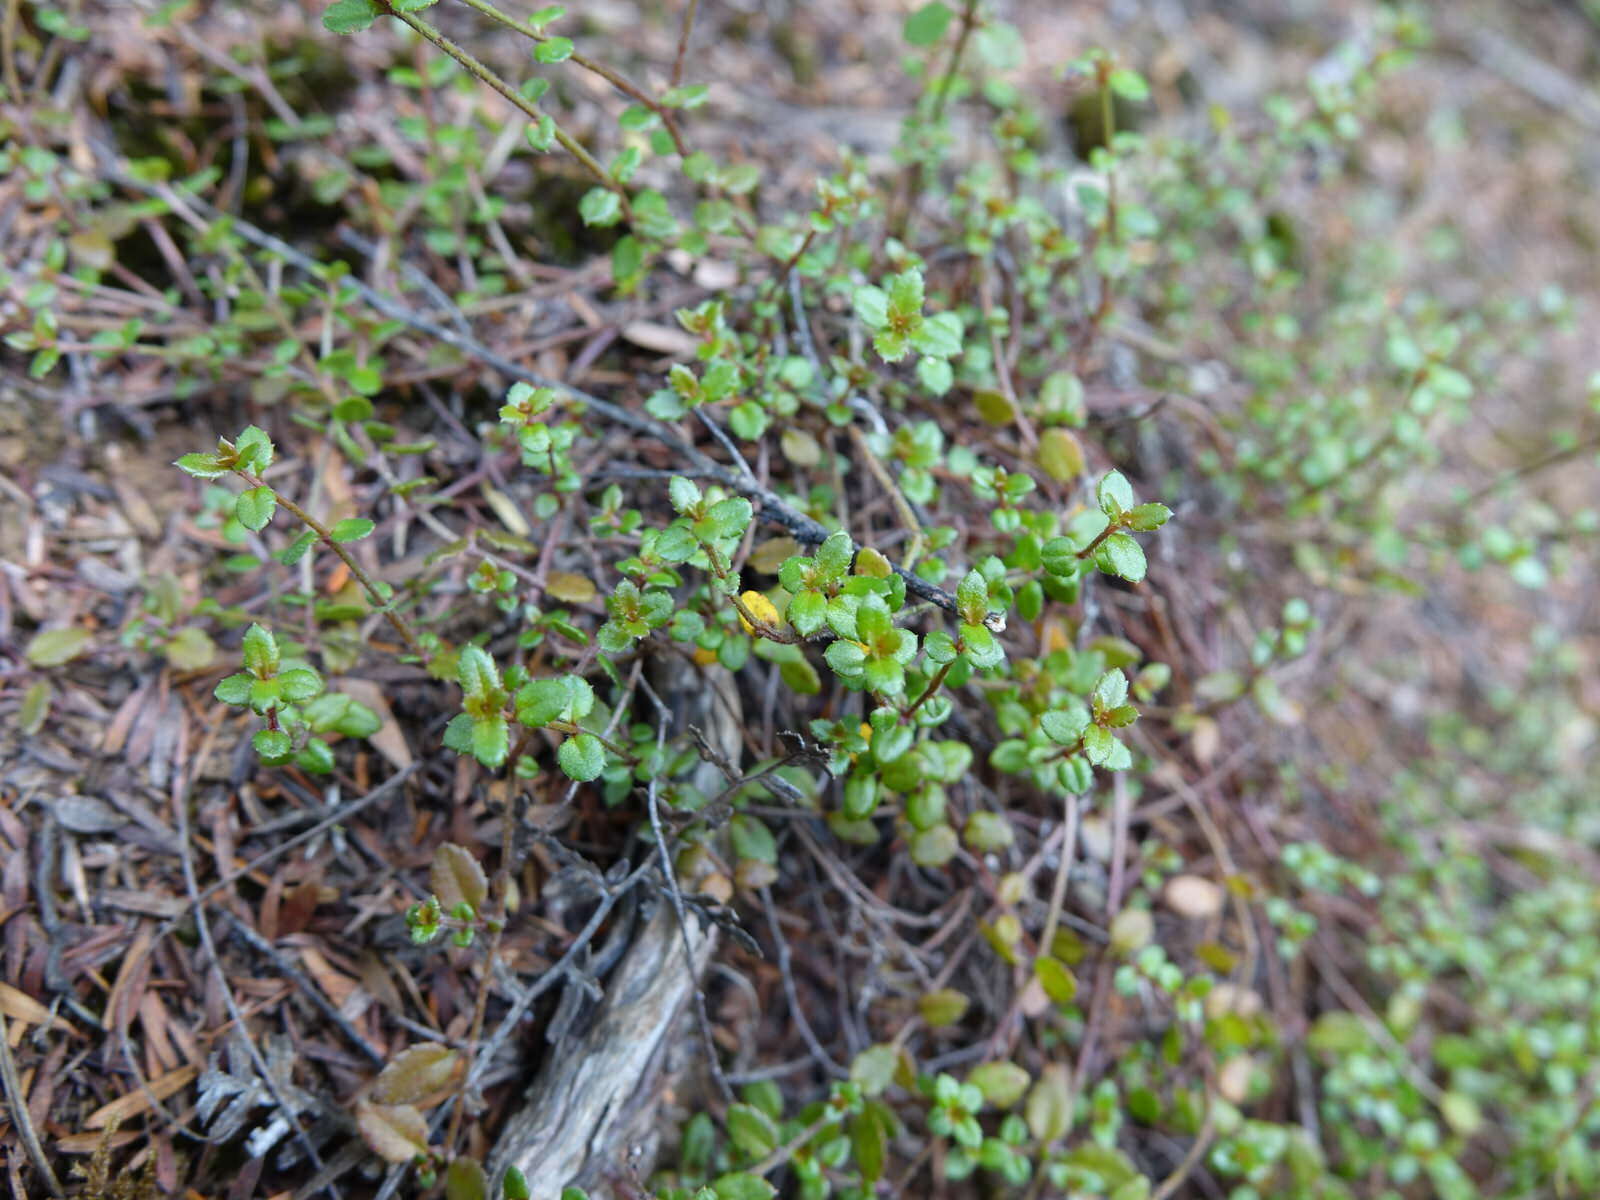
[
  {"x": 872, "y": 564},
  {"x": 1060, "y": 454},
  {"x": 1049, "y": 1110},
  {"x": 570, "y": 588},
  {"x": 771, "y": 554},
  {"x": 55, "y": 647},
  {"x": 994, "y": 406},
  {"x": 943, "y": 1007},
  {"x": 800, "y": 448}
]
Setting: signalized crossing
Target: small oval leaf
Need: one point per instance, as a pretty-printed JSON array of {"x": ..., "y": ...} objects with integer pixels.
[
  {"x": 416, "y": 1073},
  {"x": 456, "y": 878}
]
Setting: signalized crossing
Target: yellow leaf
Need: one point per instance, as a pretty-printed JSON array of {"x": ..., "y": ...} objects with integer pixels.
[
  {"x": 761, "y": 608},
  {"x": 1061, "y": 455},
  {"x": 570, "y": 588}
]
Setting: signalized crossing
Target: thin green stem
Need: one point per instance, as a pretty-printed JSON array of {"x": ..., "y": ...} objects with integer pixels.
[
  {"x": 368, "y": 584},
  {"x": 969, "y": 19},
  {"x": 934, "y": 685},
  {"x": 488, "y": 76},
  {"x": 615, "y": 78}
]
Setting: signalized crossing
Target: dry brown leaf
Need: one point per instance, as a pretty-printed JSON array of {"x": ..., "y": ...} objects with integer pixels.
[
  {"x": 416, "y": 1073},
  {"x": 22, "y": 1009},
  {"x": 456, "y": 877},
  {"x": 396, "y": 1133},
  {"x": 338, "y": 987},
  {"x": 506, "y": 509},
  {"x": 663, "y": 339},
  {"x": 1193, "y": 897},
  {"x": 141, "y": 1099}
]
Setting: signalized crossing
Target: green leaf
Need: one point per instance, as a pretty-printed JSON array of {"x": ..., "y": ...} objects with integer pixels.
[
  {"x": 491, "y": 739},
  {"x": 1002, "y": 1083},
  {"x": 943, "y": 1007},
  {"x": 553, "y": 50},
  {"x": 1146, "y": 517},
  {"x": 296, "y": 550},
  {"x": 476, "y": 673},
  {"x": 1049, "y": 1107},
  {"x": 1121, "y": 556},
  {"x": 235, "y": 689},
  {"x": 751, "y": 838},
  {"x": 1097, "y": 744},
  {"x": 676, "y": 544},
  {"x": 987, "y": 831},
  {"x": 56, "y": 647},
  {"x": 1130, "y": 85},
  {"x": 873, "y": 1068},
  {"x": 834, "y": 555},
  {"x": 730, "y": 517},
  {"x": 254, "y": 508},
  {"x": 201, "y": 466},
  {"x": 350, "y": 16},
  {"x": 254, "y": 448},
  {"x": 260, "y": 652},
  {"x": 564, "y": 698},
  {"x": 741, "y": 1185},
  {"x": 940, "y": 647},
  {"x": 936, "y": 375},
  {"x": 35, "y": 707},
  {"x": 906, "y": 293},
  {"x": 807, "y": 612},
  {"x": 972, "y": 597},
  {"x": 582, "y": 757},
  {"x": 299, "y": 683},
  {"x": 683, "y": 493},
  {"x": 1114, "y": 494},
  {"x": 1065, "y": 727},
  {"x": 891, "y": 345},
  {"x": 981, "y": 647},
  {"x": 1058, "y": 982},
  {"x": 691, "y": 95},
  {"x": 939, "y": 335},
  {"x": 600, "y": 207},
  {"x": 465, "y": 1180},
  {"x": 542, "y": 135},
  {"x": 871, "y": 305},
  {"x": 928, "y": 24},
  {"x": 869, "y": 1141},
  {"x": 1110, "y": 690},
  {"x": 352, "y": 529},
  {"x": 458, "y": 734},
  {"x": 273, "y": 745},
  {"x": 752, "y": 1132}
]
